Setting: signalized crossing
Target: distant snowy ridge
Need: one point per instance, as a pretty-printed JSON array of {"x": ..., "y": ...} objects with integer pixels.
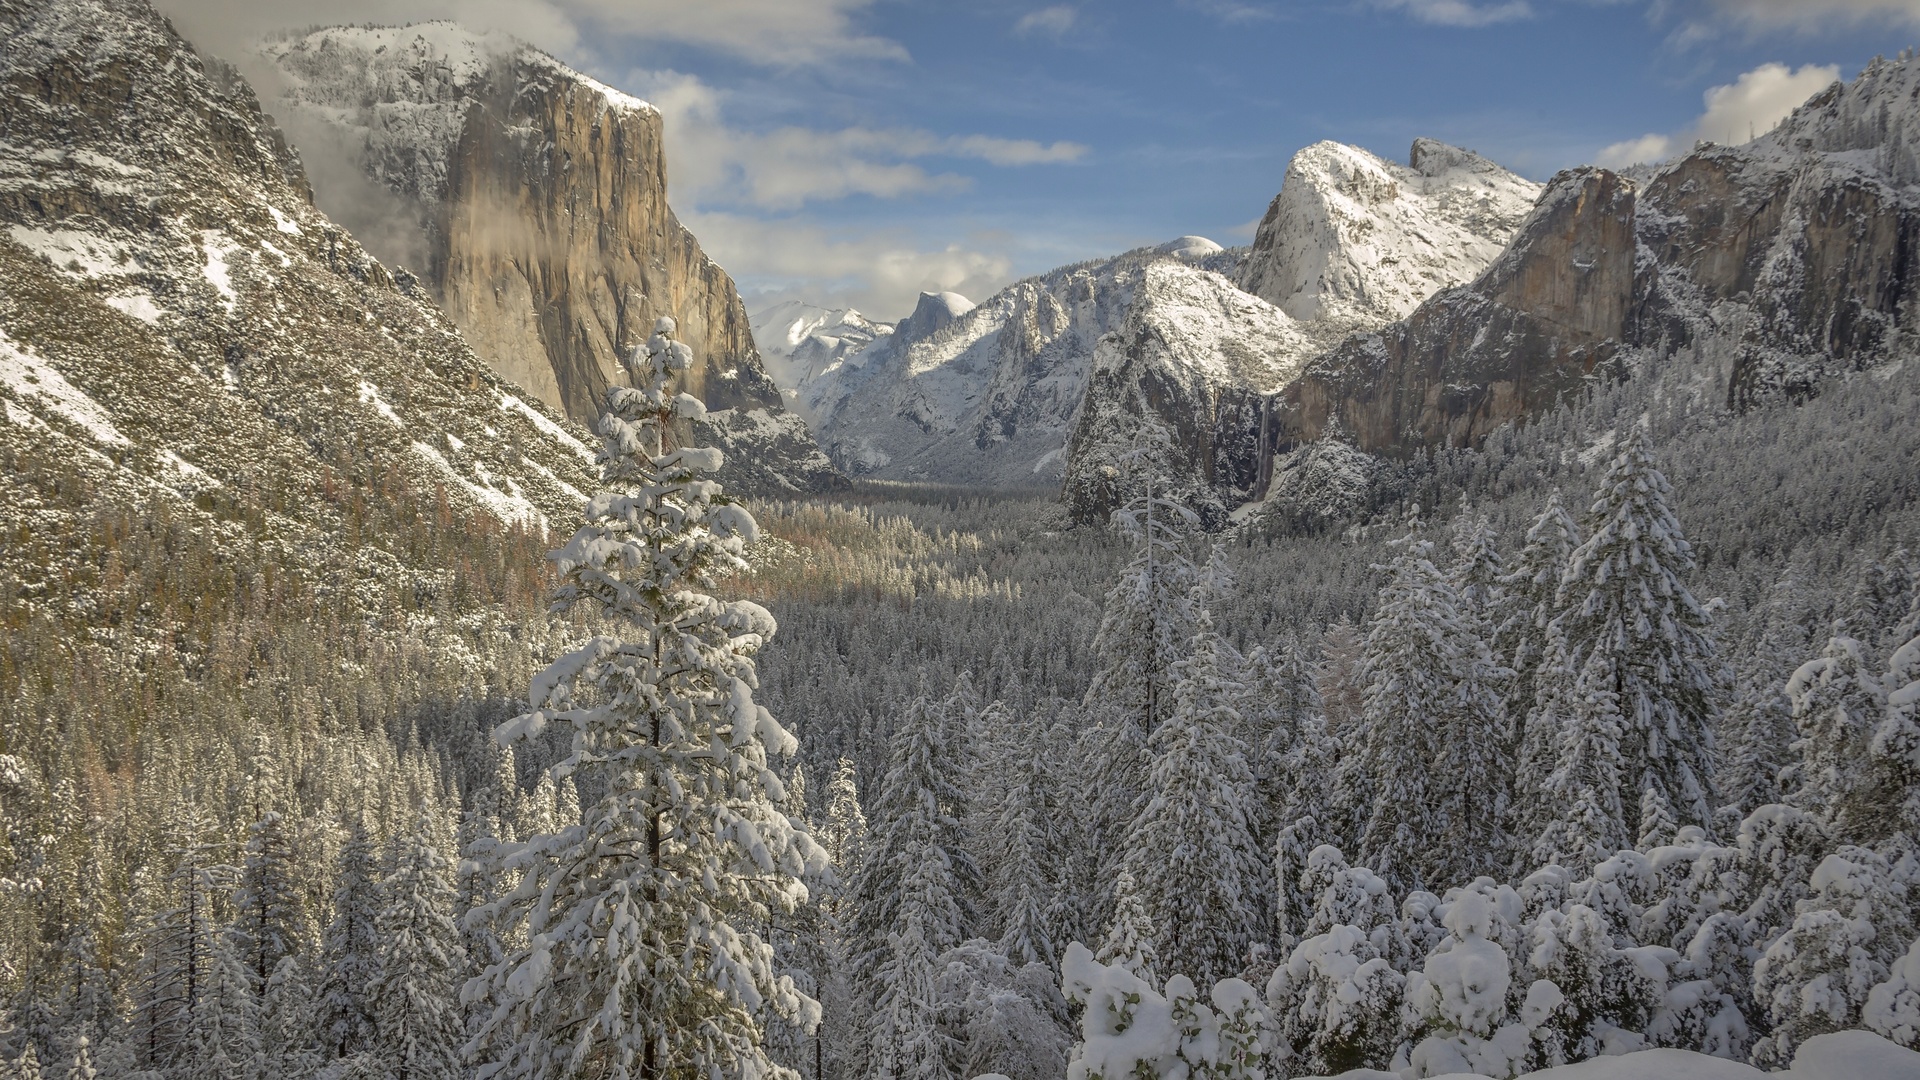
[
  {"x": 800, "y": 343},
  {"x": 1351, "y": 243}
]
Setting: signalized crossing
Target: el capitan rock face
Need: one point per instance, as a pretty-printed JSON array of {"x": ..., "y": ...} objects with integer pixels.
[
  {"x": 541, "y": 197},
  {"x": 535, "y": 199}
]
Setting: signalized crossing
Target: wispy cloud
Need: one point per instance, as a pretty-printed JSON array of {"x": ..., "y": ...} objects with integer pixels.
[
  {"x": 714, "y": 163},
  {"x": 1749, "y": 105},
  {"x": 769, "y": 33},
  {"x": 880, "y": 272},
  {"x": 1461, "y": 12},
  {"x": 1798, "y": 16},
  {"x": 1047, "y": 21}
]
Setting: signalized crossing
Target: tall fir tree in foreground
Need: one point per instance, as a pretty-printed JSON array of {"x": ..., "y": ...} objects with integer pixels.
[
  {"x": 1624, "y": 594},
  {"x": 1200, "y": 870},
  {"x": 350, "y": 951},
  {"x": 415, "y": 999},
  {"x": 1523, "y": 642},
  {"x": 1427, "y": 794},
  {"x": 642, "y": 956},
  {"x": 1145, "y": 628},
  {"x": 912, "y": 894}
]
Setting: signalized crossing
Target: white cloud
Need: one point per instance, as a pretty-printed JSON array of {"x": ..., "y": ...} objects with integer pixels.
[
  {"x": 1461, "y": 12},
  {"x": 1814, "y": 15},
  {"x": 1052, "y": 21},
  {"x": 773, "y": 33},
  {"x": 1750, "y": 105},
  {"x": 713, "y": 163},
  {"x": 881, "y": 273}
]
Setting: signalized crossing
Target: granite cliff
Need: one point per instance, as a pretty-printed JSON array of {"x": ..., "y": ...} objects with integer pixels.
[{"x": 534, "y": 200}]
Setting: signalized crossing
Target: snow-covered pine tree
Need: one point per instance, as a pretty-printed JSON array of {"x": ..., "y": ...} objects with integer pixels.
[
  {"x": 224, "y": 1034},
  {"x": 1286, "y": 729},
  {"x": 80, "y": 1065},
  {"x": 1018, "y": 886},
  {"x": 350, "y": 952},
  {"x": 1580, "y": 821},
  {"x": 1656, "y": 821},
  {"x": 842, "y": 832},
  {"x": 182, "y": 943},
  {"x": 267, "y": 925},
  {"x": 1477, "y": 575},
  {"x": 1147, "y": 622},
  {"x": 1419, "y": 774},
  {"x": 287, "y": 1030},
  {"x": 1623, "y": 592},
  {"x": 1844, "y": 941},
  {"x": 1145, "y": 628},
  {"x": 641, "y": 958},
  {"x": 904, "y": 1040},
  {"x": 1201, "y": 871},
  {"x": 1888, "y": 811},
  {"x": 1893, "y": 1007},
  {"x": 1532, "y": 588},
  {"x": 1129, "y": 941},
  {"x": 1838, "y": 704},
  {"x": 915, "y": 872},
  {"x": 415, "y": 998}
]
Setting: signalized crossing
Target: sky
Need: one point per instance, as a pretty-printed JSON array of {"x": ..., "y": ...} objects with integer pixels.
[{"x": 857, "y": 152}]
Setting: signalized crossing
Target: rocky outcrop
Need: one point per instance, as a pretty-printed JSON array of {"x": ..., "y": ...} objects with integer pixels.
[
  {"x": 1355, "y": 241},
  {"x": 541, "y": 196},
  {"x": 1554, "y": 306},
  {"x": 1782, "y": 262},
  {"x": 1177, "y": 391}
]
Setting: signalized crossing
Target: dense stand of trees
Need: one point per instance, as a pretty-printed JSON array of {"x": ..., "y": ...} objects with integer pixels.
[{"x": 1472, "y": 728}]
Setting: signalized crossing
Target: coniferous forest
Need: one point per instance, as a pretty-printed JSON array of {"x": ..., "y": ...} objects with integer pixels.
[
  {"x": 1546, "y": 755},
  {"x": 1472, "y": 631}
]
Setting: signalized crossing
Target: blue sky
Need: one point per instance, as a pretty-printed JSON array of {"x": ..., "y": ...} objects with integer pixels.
[{"x": 857, "y": 151}]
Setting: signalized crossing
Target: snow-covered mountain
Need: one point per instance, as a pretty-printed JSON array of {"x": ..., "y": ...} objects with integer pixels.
[
  {"x": 1355, "y": 240},
  {"x": 1352, "y": 242},
  {"x": 981, "y": 394},
  {"x": 534, "y": 201},
  {"x": 800, "y": 342},
  {"x": 180, "y": 329},
  {"x": 1773, "y": 265}
]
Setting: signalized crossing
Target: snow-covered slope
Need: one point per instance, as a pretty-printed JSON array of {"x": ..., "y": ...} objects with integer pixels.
[
  {"x": 180, "y": 326},
  {"x": 1183, "y": 379},
  {"x": 801, "y": 342},
  {"x": 1358, "y": 241}
]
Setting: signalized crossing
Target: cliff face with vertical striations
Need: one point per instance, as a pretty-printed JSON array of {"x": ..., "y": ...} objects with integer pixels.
[
  {"x": 1782, "y": 262},
  {"x": 534, "y": 200}
]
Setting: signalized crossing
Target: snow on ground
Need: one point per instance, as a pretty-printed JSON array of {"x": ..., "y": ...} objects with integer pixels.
[
  {"x": 510, "y": 506},
  {"x": 31, "y": 377},
  {"x": 509, "y": 403},
  {"x": 137, "y": 304},
  {"x": 370, "y": 395},
  {"x": 75, "y": 254},
  {"x": 1846, "y": 1055},
  {"x": 218, "y": 248}
]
